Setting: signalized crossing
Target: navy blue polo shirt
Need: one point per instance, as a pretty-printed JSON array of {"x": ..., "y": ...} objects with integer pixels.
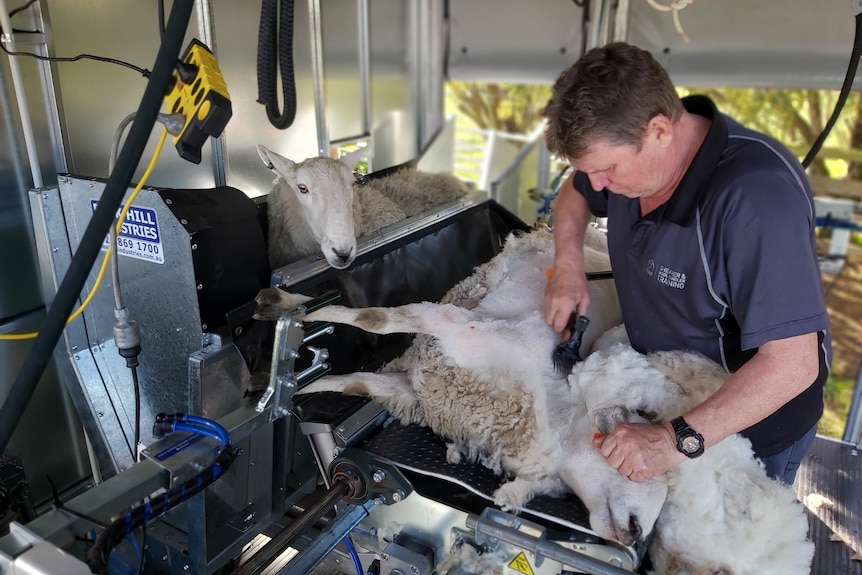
[{"x": 727, "y": 264}]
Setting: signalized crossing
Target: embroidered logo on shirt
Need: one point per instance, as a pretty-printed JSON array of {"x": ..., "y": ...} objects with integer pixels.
[
  {"x": 650, "y": 268},
  {"x": 669, "y": 277}
]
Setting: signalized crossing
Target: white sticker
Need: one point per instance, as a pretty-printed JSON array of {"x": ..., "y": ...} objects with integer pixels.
[{"x": 139, "y": 236}]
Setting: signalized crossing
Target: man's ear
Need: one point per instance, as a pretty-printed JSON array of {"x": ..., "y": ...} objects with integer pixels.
[
  {"x": 660, "y": 129},
  {"x": 279, "y": 164}
]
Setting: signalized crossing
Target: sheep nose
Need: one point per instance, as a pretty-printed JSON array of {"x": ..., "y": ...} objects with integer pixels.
[
  {"x": 635, "y": 531},
  {"x": 342, "y": 256}
]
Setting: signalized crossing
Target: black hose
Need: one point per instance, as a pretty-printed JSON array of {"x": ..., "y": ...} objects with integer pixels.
[
  {"x": 277, "y": 46},
  {"x": 118, "y": 183},
  {"x": 842, "y": 96},
  {"x": 116, "y": 531}
]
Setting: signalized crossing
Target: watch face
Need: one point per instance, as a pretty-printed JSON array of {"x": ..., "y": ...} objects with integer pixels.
[{"x": 690, "y": 444}]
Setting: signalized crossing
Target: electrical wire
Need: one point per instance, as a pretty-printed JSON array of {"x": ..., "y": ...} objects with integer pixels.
[
  {"x": 142, "y": 71},
  {"x": 842, "y": 96},
  {"x": 21, "y": 8},
  {"x": 106, "y": 258},
  {"x": 137, "y": 389}
]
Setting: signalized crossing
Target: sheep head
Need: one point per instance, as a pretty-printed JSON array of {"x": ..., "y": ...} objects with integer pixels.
[{"x": 323, "y": 192}]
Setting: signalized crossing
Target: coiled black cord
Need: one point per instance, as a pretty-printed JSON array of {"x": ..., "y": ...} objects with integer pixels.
[{"x": 276, "y": 46}]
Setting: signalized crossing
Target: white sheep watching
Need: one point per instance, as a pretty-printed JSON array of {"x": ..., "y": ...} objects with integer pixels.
[{"x": 316, "y": 206}]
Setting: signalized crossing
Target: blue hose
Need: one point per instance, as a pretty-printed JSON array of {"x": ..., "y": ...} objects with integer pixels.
[
  {"x": 352, "y": 550},
  {"x": 209, "y": 424},
  {"x": 199, "y": 430}
]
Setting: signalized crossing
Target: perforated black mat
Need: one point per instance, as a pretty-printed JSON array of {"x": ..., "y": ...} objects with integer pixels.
[{"x": 417, "y": 450}]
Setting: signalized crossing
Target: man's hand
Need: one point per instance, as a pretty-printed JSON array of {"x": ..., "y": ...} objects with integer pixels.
[
  {"x": 567, "y": 292},
  {"x": 640, "y": 451}
]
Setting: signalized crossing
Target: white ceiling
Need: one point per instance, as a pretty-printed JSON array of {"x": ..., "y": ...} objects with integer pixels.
[{"x": 788, "y": 43}]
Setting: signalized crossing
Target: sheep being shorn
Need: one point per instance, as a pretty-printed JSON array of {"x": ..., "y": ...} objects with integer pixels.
[
  {"x": 723, "y": 515},
  {"x": 316, "y": 206},
  {"x": 480, "y": 374}
]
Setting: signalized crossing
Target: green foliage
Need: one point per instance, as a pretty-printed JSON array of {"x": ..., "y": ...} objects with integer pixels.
[
  {"x": 796, "y": 118},
  {"x": 512, "y": 108},
  {"x": 838, "y": 394}
]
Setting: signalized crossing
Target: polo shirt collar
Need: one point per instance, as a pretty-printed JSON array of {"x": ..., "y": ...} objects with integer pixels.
[{"x": 680, "y": 208}]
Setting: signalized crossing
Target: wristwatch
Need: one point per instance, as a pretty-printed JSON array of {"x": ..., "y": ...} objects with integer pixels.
[{"x": 688, "y": 441}]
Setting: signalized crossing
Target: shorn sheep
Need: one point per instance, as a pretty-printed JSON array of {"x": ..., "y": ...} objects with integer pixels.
[
  {"x": 479, "y": 373},
  {"x": 316, "y": 205}
]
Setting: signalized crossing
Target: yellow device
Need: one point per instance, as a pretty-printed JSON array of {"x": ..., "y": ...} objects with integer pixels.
[{"x": 200, "y": 94}]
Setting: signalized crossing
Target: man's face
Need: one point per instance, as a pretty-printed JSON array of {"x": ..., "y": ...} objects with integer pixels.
[
  {"x": 622, "y": 169},
  {"x": 627, "y": 170}
]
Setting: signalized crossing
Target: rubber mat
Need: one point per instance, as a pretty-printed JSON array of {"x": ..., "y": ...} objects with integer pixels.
[
  {"x": 829, "y": 484},
  {"x": 418, "y": 450}
]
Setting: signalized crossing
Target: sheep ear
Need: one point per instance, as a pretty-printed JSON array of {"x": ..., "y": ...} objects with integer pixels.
[
  {"x": 275, "y": 162},
  {"x": 354, "y": 157}
]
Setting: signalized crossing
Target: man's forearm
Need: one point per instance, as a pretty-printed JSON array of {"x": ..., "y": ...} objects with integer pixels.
[
  {"x": 571, "y": 216},
  {"x": 781, "y": 370}
]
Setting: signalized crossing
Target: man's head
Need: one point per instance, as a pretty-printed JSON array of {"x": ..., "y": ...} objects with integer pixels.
[{"x": 609, "y": 95}]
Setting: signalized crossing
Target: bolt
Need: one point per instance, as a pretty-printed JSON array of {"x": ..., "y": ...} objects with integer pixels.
[
  {"x": 397, "y": 495},
  {"x": 184, "y": 221},
  {"x": 164, "y": 557},
  {"x": 194, "y": 247},
  {"x": 185, "y": 567},
  {"x": 169, "y": 201},
  {"x": 200, "y": 287},
  {"x": 100, "y": 413},
  {"x": 55, "y": 250},
  {"x": 77, "y": 357},
  {"x": 414, "y": 569},
  {"x": 373, "y": 531},
  {"x": 378, "y": 476},
  {"x": 44, "y": 196},
  {"x": 341, "y": 428},
  {"x": 204, "y": 326},
  {"x": 385, "y": 556}
]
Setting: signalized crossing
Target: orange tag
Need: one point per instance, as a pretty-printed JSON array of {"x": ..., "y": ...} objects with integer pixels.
[
  {"x": 549, "y": 272},
  {"x": 597, "y": 435}
]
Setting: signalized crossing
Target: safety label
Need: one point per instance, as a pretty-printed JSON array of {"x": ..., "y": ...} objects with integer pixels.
[
  {"x": 520, "y": 564},
  {"x": 139, "y": 235}
]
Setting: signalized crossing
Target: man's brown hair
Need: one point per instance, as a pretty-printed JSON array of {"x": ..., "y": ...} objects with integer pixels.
[{"x": 610, "y": 93}]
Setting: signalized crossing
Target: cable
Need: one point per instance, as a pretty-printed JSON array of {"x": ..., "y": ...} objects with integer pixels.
[
  {"x": 21, "y": 8},
  {"x": 352, "y": 550},
  {"x": 105, "y": 259},
  {"x": 143, "y": 555},
  {"x": 842, "y": 96},
  {"x": 277, "y": 46},
  {"x": 142, "y": 71},
  {"x": 91, "y": 242},
  {"x": 137, "y": 389}
]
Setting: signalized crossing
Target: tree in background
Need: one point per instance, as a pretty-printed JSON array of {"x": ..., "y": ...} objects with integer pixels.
[
  {"x": 512, "y": 108},
  {"x": 796, "y": 118},
  {"x": 793, "y": 117}
]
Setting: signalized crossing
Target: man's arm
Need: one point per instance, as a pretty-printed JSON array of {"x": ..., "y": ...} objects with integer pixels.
[
  {"x": 778, "y": 372},
  {"x": 567, "y": 289}
]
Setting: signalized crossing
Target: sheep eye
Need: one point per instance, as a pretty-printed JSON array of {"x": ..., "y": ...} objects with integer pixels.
[{"x": 303, "y": 189}]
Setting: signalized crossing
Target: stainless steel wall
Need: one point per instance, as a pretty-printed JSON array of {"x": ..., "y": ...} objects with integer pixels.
[{"x": 76, "y": 107}]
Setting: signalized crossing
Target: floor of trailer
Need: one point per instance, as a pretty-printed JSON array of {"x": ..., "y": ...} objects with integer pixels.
[{"x": 829, "y": 484}]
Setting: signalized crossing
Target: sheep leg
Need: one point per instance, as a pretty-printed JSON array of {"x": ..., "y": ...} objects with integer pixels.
[
  {"x": 392, "y": 389},
  {"x": 272, "y": 303},
  {"x": 428, "y": 318}
]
